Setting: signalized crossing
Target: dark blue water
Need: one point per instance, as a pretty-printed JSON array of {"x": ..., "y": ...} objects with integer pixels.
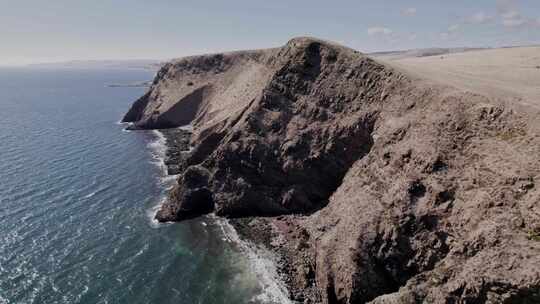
[{"x": 76, "y": 201}]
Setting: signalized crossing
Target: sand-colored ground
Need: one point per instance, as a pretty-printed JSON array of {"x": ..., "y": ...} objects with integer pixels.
[{"x": 506, "y": 74}]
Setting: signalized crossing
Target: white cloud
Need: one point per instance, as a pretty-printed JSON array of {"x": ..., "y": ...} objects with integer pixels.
[
  {"x": 479, "y": 18},
  {"x": 516, "y": 19},
  {"x": 510, "y": 14},
  {"x": 411, "y": 11},
  {"x": 454, "y": 28},
  {"x": 444, "y": 36},
  {"x": 514, "y": 22},
  {"x": 504, "y": 6},
  {"x": 511, "y": 17},
  {"x": 476, "y": 19},
  {"x": 379, "y": 30}
]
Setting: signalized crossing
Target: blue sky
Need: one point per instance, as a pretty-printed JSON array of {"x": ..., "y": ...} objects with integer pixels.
[{"x": 57, "y": 30}]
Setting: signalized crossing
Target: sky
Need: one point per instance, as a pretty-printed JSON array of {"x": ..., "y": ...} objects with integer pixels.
[{"x": 34, "y": 31}]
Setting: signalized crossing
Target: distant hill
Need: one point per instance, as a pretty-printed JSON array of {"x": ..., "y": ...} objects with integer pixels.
[
  {"x": 422, "y": 52},
  {"x": 99, "y": 64}
]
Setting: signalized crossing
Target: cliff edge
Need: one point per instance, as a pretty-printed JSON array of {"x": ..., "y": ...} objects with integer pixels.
[{"x": 391, "y": 189}]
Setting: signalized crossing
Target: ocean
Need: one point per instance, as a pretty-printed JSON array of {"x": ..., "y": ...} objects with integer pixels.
[{"x": 77, "y": 199}]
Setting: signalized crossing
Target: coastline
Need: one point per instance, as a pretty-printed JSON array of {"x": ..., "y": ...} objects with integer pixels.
[
  {"x": 257, "y": 242},
  {"x": 287, "y": 239},
  {"x": 168, "y": 150},
  {"x": 264, "y": 262},
  {"x": 176, "y": 142}
]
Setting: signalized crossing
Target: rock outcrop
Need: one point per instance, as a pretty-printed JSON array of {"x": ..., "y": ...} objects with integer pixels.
[{"x": 408, "y": 192}]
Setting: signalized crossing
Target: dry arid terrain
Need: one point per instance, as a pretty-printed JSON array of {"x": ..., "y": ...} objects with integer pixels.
[
  {"x": 511, "y": 75},
  {"x": 413, "y": 180}
]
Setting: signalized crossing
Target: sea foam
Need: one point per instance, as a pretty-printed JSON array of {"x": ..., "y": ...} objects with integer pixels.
[
  {"x": 262, "y": 262},
  {"x": 158, "y": 150}
]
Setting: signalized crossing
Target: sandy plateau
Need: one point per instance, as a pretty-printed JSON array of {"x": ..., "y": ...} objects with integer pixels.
[{"x": 511, "y": 75}]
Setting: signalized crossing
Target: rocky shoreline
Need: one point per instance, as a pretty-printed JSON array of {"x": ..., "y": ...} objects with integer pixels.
[
  {"x": 177, "y": 148},
  {"x": 281, "y": 236},
  {"x": 258, "y": 231}
]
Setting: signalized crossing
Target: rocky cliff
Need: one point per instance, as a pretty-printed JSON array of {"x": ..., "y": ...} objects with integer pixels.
[{"x": 395, "y": 190}]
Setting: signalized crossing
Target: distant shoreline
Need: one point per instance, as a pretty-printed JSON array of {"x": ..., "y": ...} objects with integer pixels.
[
  {"x": 100, "y": 64},
  {"x": 138, "y": 84}
]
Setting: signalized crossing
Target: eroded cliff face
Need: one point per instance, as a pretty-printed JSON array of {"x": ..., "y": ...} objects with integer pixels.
[
  {"x": 201, "y": 90},
  {"x": 444, "y": 207},
  {"x": 408, "y": 192}
]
